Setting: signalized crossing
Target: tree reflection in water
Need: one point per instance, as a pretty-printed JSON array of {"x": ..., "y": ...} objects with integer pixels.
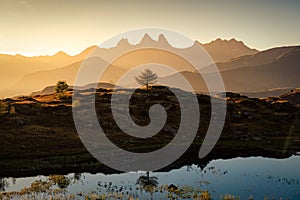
[{"x": 147, "y": 183}]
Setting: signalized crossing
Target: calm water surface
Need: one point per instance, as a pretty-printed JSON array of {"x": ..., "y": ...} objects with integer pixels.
[{"x": 256, "y": 176}]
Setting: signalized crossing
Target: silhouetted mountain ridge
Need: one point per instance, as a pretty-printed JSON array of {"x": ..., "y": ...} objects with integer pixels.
[
  {"x": 246, "y": 69},
  {"x": 273, "y": 68},
  {"x": 229, "y": 49}
]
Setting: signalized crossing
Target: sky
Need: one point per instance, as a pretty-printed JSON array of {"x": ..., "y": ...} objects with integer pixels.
[{"x": 44, "y": 27}]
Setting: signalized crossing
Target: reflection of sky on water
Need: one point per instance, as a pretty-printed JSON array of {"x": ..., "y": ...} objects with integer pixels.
[{"x": 256, "y": 176}]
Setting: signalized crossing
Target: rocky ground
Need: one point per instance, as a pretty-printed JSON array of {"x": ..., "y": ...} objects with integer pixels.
[{"x": 38, "y": 135}]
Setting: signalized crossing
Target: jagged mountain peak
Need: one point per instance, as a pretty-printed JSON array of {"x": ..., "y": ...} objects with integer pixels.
[
  {"x": 123, "y": 42},
  {"x": 222, "y": 50},
  {"x": 147, "y": 39},
  {"x": 225, "y": 41},
  {"x": 162, "y": 39}
]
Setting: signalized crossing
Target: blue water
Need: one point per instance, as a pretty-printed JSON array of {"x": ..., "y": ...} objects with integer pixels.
[{"x": 255, "y": 176}]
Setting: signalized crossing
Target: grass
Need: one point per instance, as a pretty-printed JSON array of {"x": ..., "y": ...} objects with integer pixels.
[
  {"x": 54, "y": 187},
  {"x": 40, "y": 137}
]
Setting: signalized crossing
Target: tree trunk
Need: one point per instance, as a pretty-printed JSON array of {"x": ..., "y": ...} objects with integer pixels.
[{"x": 147, "y": 86}]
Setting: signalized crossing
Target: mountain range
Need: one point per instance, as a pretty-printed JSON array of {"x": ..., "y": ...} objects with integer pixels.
[
  {"x": 265, "y": 70},
  {"x": 243, "y": 69}
]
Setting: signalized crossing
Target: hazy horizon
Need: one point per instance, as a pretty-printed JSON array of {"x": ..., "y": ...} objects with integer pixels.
[
  {"x": 30, "y": 27},
  {"x": 135, "y": 42},
  {"x": 132, "y": 42}
]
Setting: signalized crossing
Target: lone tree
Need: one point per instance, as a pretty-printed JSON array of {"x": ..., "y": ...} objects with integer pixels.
[
  {"x": 61, "y": 88},
  {"x": 146, "y": 77}
]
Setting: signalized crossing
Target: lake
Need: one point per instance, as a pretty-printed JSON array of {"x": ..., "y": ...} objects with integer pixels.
[{"x": 255, "y": 177}]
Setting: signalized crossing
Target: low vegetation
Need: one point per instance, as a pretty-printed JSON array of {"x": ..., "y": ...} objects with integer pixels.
[
  {"x": 40, "y": 137},
  {"x": 3, "y": 107}
]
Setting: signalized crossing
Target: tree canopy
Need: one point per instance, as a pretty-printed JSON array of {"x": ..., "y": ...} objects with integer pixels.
[
  {"x": 146, "y": 78},
  {"x": 61, "y": 88}
]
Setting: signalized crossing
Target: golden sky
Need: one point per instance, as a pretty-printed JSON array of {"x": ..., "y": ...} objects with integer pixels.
[{"x": 41, "y": 27}]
